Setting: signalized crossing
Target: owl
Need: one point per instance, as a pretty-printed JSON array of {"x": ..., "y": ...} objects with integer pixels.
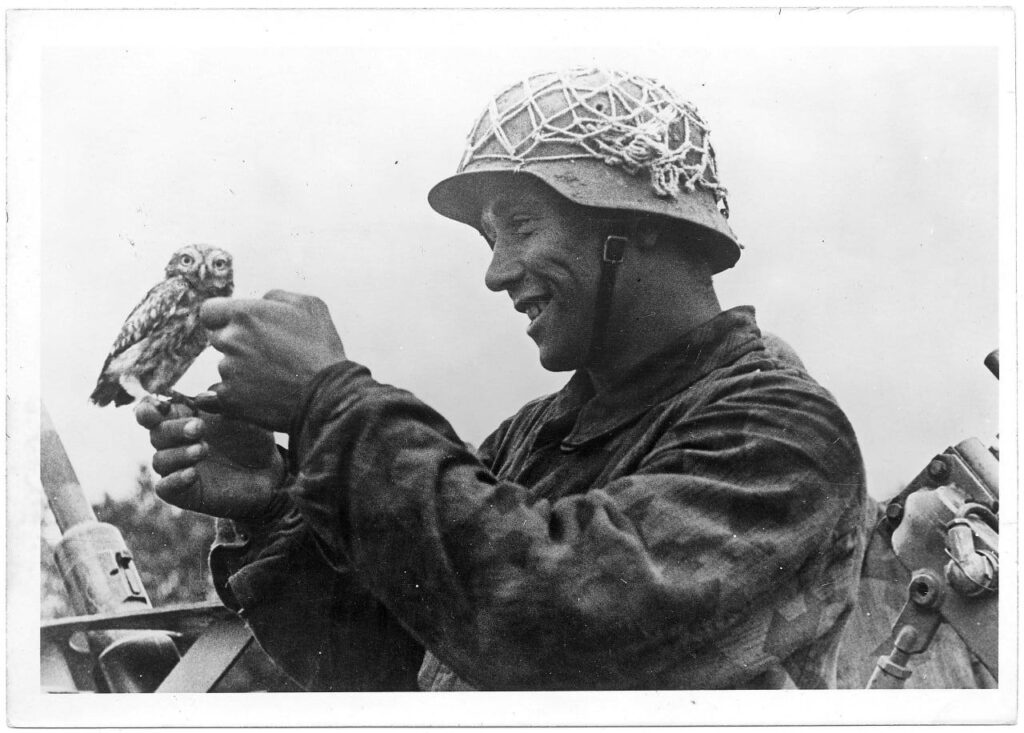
[{"x": 162, "y": 336}]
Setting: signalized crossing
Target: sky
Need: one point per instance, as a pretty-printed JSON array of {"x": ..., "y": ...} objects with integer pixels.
[{"x": 861, "y": 154}]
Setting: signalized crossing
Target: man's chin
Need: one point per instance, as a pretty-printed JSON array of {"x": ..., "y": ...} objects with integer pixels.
[{"x": 556, "y": 362}]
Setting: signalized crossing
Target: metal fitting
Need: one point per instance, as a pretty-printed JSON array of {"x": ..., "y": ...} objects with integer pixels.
[
  {"x": 938, "y": 469},
  {"x": 894, "y": 512},
  {"x": 970, "y": 571},
  {"x": 926, "y": 589}
]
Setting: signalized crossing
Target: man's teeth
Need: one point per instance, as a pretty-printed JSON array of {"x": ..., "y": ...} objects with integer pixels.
[{"x": 532, "y": 311}]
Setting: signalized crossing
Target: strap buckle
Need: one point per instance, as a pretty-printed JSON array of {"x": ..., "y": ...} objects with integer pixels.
[{"x": 614, "y": 248}]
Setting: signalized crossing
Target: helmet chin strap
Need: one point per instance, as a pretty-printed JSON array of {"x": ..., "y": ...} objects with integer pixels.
[{"x": 611, "y": 257}]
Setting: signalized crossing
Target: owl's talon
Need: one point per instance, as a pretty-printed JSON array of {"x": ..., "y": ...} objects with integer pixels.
[{"x": 175, "y": 397}]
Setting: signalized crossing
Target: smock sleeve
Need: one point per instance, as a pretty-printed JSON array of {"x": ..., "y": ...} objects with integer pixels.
[
  {"x": 727, "y": 558},
  {"x": 310, "y": 616}
]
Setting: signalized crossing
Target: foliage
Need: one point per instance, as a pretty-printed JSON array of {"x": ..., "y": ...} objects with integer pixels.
[{"x": 169, "y": 546}]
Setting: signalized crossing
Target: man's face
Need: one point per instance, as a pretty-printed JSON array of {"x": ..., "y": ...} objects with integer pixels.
[{"x": 546, "y": 256}]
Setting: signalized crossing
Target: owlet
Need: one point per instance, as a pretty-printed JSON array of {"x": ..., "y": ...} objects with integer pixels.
[{"x": 162, "y": 336}]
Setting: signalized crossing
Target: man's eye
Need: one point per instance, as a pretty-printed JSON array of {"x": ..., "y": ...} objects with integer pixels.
[{"x": 520, "y": 223}]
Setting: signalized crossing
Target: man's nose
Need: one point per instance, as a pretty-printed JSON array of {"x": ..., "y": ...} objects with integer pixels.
[{"x": 504, "y": 269}]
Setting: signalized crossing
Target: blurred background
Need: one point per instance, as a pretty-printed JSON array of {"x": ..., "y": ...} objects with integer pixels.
[{"x": 860, "y": 153}]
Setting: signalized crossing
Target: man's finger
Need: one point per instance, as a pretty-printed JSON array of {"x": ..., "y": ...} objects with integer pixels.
[
  {"x": 208, "y": 402},
  {"x": 217, "y": 396},
  {"x": 226, "y": 405},
  {"x": 228, "y": 368},
  {"x": 177, "y": 432},
  {"x": 166, "y": 462},
  {"x": 226, "y": 339},
  {"x": 149, "y": 412},
  {"x": 218, "y": 312},
  {"x": 284, "y": 296},
  {"x": 178, "y": 487}
]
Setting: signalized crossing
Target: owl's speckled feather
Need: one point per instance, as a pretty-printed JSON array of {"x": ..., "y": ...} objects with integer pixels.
[{"x": 162, "y": 336}]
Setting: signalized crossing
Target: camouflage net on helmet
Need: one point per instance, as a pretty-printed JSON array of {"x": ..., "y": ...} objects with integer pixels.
[{"x": 620, "y": 119}]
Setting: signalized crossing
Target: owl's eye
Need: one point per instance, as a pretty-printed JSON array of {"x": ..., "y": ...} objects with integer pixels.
[
  {"x": 220, "y": 263},
  {"x": 187, "y": 260}
]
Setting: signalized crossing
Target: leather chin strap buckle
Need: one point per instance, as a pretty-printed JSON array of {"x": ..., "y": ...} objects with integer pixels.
[
  {"x": 614, "y": 248},
  {"x": 611, "y": 257}
]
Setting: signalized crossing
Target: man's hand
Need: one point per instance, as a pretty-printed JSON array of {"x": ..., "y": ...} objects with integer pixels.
[
  {"x": 272, "y": 348},
  {"x": 213, "y": 464}
]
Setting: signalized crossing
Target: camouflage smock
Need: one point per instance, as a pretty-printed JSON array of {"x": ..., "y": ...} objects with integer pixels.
[{"x": 700, "y": 526}]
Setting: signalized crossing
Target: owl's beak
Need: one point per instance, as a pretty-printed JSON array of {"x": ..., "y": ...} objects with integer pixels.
[{"x": 202, "y": 272}]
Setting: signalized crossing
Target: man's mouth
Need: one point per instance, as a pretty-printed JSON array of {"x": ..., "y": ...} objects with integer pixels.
[{"x": 532, "y": 307}]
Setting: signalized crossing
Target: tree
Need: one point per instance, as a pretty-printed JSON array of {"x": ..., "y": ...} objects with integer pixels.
[{"x": 169, "y": 546}]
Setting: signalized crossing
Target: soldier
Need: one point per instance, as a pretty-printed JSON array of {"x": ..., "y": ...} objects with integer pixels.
[{"x": 687, "y": 512}]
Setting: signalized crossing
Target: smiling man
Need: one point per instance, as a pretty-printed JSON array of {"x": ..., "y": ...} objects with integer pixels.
[
  {"x": 687, "y": 512},
  {"x": 537, "y": 239}
]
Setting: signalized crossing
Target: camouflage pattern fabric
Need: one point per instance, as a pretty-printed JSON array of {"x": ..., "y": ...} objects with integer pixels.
[{"x": 702, "y": 525}]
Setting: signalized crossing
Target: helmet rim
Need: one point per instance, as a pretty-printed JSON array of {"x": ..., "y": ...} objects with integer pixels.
[{"x": 590, "y": 183}]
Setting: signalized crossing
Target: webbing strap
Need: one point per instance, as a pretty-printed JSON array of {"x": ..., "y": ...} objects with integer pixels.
[{"x": 611, "y": 257}]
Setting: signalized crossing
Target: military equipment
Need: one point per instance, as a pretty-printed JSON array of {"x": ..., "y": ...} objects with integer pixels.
[{"x": 944, "y": 528}]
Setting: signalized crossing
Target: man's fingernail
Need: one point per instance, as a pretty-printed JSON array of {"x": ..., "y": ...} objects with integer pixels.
[
  {"x": 197, "y": 451},
  {"x": 192, "y": 428},
  {"x": 188, "y": 475},
  {"x": 208, "y": 402}
]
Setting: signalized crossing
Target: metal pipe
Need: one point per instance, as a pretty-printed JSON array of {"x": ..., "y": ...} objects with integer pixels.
[
  {"x": 63, "y": 492},
  {"x": 891, "y": 672},
  {"x": 100, "y": 576},
  {"x": 982, "y": 462}
]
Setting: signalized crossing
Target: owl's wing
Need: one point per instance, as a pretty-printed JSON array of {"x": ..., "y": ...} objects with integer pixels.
[{"x": 149, "y": 315}]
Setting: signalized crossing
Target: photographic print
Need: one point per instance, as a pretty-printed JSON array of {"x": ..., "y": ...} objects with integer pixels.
[{"x": 646, "y": 359}]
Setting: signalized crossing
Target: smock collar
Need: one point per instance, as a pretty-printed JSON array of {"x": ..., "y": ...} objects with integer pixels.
[{"x": 586, "y": 415}]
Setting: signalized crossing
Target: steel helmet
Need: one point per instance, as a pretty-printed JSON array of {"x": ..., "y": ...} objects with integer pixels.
[{"x": 600, "y": 138}]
